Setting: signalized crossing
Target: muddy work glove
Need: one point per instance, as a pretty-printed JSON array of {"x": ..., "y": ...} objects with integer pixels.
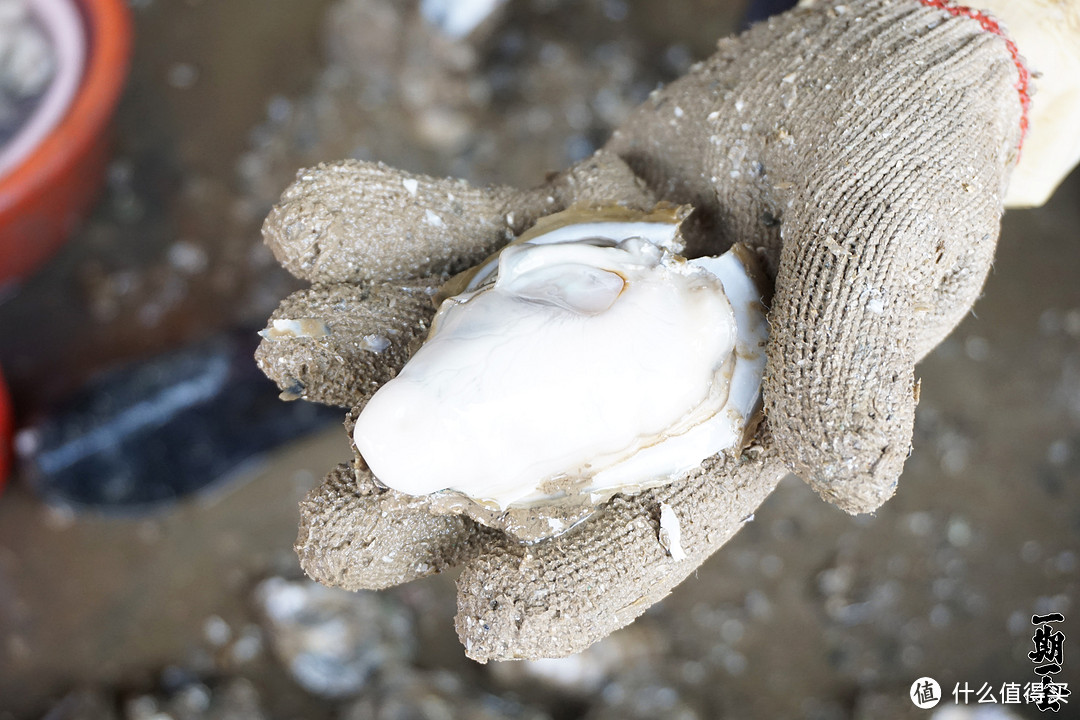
[{"x": 861, "y": 150}]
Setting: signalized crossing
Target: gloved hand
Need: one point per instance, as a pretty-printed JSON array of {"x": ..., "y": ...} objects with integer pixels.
[{"x": 861, "y": 149}]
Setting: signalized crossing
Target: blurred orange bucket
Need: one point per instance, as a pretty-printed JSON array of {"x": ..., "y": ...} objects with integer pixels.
[{"x": 45, "y": 197}]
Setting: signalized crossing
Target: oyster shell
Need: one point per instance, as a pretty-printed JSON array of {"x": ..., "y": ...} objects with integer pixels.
[{"x": 587, "y": 359}]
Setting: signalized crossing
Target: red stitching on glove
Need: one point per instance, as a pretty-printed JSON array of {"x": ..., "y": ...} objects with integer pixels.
[{"x": 991, "y": 25}]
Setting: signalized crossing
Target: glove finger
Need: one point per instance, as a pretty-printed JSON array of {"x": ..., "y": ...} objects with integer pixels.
[
  {"x": 881, "y": 261},
  {"x": 878, "y": 141},
  {"x": 337, "y": 344},
  {"x": 357, "y": 535},
  {"x": 352, "y": 221},
  {"x": 559, "y": 596}
]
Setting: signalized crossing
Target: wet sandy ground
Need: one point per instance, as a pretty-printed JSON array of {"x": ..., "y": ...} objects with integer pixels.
[{"x": 806, "y": 613}]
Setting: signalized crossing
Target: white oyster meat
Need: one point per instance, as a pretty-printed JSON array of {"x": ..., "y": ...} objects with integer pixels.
[{"x": 587, "y": 358}]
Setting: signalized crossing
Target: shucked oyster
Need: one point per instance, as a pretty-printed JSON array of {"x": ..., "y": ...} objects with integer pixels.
[{"x": 588, "y": 358}]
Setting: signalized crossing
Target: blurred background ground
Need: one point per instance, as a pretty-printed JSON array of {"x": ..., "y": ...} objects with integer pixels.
[{"x": 199, "y": 611}]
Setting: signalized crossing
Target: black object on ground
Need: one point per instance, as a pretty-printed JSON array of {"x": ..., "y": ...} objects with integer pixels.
[{"x": 148, "y": 434}]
